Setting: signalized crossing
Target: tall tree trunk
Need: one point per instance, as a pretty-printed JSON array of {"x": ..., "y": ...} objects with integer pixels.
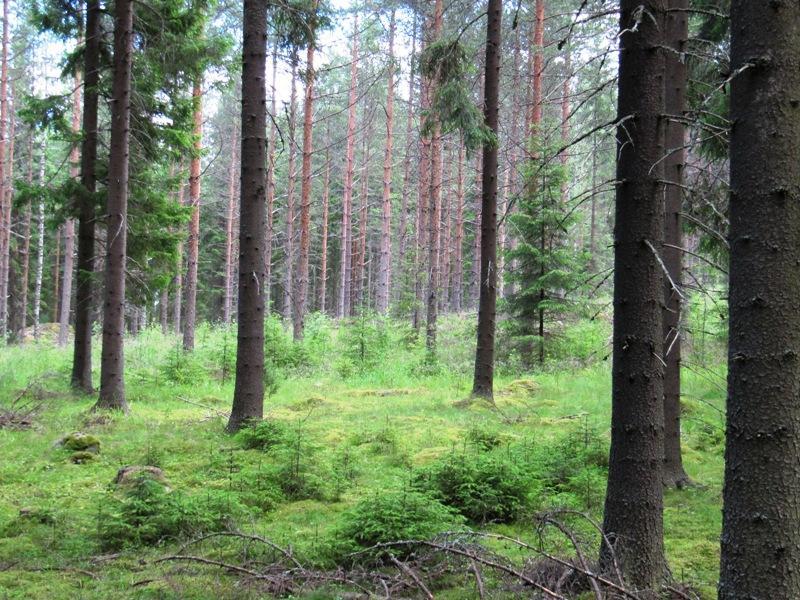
[
  {"x": 84, "y": 292},
  {"x": 271, "y": 185},
  {"x": 112, "y": 361},
  {"x": 343, "y": 309},
  {"x": 56, "y": 279},
  {"x": 301, "y": 293},
  {"x": 633, "y": 519},
  {"x": 565, "y": 110},
  {"x": 178, "y": 293},
  {"x": 537, "y": 69},
  {"x": 248, "y": 395},
  {"x": 5, "y": 206},
  {"x": 163, "y": 309},
  {"x": 289, "y": 245},
  {"x": 69, "y": 225},
  {"x": 760, "y": 534},
  {"x": 25, "y": 252},
  {"x": 483, "y": 381},
  {"x": 423, "y": 188},
  {"x": 458, "y": 242},
  {"x": 385, "y": 269},
  {"x": 402, "y": 227},
  {"x": 230, "y": 218},
  {"x": 434, "y": 216},
  {"x": 360, "y": 252},
  {"x": 193, "y": 242},
  {"x": 37, "y": 286},
  {"x": 675, "y": 102},
  {"x": 323, "y": 268}
]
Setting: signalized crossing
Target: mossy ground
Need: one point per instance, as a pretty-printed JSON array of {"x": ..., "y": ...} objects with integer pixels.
[{"x": 389, "y": 419}]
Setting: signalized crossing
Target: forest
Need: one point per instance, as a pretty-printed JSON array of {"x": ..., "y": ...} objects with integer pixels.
[{"x": 339, "y": 299}]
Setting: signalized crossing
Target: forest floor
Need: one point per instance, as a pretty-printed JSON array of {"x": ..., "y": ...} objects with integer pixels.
[{"x": 353, "y": 429}]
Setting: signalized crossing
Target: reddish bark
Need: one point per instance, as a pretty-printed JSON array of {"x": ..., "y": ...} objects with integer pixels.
[
  {"x": 290, "y": 189},
  {"x": 301, "y": 291},
  {"x": 345, "y": 237},
  {"x": 323, "y": 268}
]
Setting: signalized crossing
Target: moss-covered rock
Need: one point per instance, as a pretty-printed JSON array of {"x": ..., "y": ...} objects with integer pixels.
[
  {"x": 80, "y": 442},
  {"x": 82, "y": 457}
]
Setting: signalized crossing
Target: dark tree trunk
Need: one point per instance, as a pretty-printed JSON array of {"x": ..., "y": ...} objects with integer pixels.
[
  {"x": 248, "y": 395},
  {"x": 675, "y": 103},
  {"x": 633, "y": 519},
  {"x": 483, "y": 382},
  {"x": 193, "y": 242},
  {"x": 112, "y": 365},
  {"x": 761, "y": 499}
]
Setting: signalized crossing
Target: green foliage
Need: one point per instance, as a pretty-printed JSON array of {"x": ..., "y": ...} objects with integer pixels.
[
  {"x": 364, "y": 344},
  {"x": 483, "y": 438},
  {"x": 482, "y": 487},
  {"x": 148, "y": 513},
  {"x": 547, "y": 269},
  {"x": 390, "y": 516},
  {"x": 263, "y": 435},
  {"x": 183, "y": 368},
  {"x": 447, "y": 63}
]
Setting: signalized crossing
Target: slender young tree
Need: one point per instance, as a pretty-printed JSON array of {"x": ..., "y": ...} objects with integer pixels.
[
  {"x": 675, "y": 100},
  {"x": 301, "y": 291},
  {"x": 323, "y": 268},
  {"x": 230, "y": 218},
  {"x": 761, "y": 497},
  {"x": 248, "y": 395},
  {"x": 345, "y": 275},
  {"x": 456, "y": 298},
  {"x": 434, "y": 196},
  {"x": 112, "y": 363},
  {"x": 69, "y": 225},
  {"x": 385, "y": 269},
  {"x": 39, "y": 276},
  {"x": 82, "y": 351},
  {"x": 5, "y": 206},
  {"x": 290, "y": 188},
  {"x": 177, "y": 305},
  {"x": 193, "y": 241},
  {"x": 483, "y": 381},
  {"x": 273, "y": 133},
  {"x": 633, "y": 520}
]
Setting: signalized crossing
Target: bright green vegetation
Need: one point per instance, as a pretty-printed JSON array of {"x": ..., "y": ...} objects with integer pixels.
[{"x": 361, "y": 435}]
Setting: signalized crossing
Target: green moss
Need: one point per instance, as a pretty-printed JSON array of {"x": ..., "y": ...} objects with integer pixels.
[
  {"x": 81, "y": 442},
  {"x": 82, "y": 457}
]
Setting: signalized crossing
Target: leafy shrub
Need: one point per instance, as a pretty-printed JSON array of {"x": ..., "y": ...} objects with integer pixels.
[
  {"x": 484, "y": 439},
  {"x": 263, "y": 435},
  {"x": 257, "y": 487},
  {"x": 183, "y": 368},
  {"x": 481, "y": 487},
  {"x": 393, "y": 516},
  {"x": 364, "y": 343},
  {"x": 280, "y": 351},
  {"x": 148, "y": 513}
]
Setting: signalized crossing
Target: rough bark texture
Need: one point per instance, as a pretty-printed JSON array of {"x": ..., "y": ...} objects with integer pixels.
[
  {"x": 273, "y": 132},
  {"x": 69, "y": 226},
  {"x": 483, "y": 382},
  {"x": 5, "y": 205},
  {"x": 84, "y": 293},
  {"x": 323, "y": 265},
  {"x": 25, "y": 255},
  {"x": 675, "y": 104},
  {"x": 290, "y": 189},
  {"x": 37, "y": 285},
  {"x": 248, "y": 395},
  {"x": 345, "y": 237},
  {"x": 457, "y": 296},
  {"x": 301, "y": 293},
  {"x": 761, "y": 499},
  {"x": 112, "y": 364},
  {"x": 177, "y": 306},
  {"x": 434, "y": 209},
  {"x": 193, "y": 241},
  {"x": 633, "y": 508},
  {"x": 402, "y": 225},
  {"x": 385, "y": 269},
  {"x": 230, "y": 219}
]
